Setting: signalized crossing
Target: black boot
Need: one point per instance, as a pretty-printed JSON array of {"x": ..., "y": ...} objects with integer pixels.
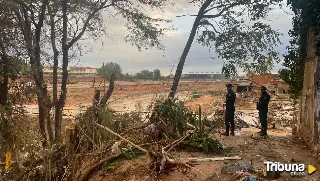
[
  {"x": 227, "y": 131},
  {"x": 264, "y": 132},
  {"x": 232, "y": 131}
]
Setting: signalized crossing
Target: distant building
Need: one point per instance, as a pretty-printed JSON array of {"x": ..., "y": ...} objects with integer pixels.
[
  {"x": 243, "y": 86},
  {"x": 82, "y": 71},
  {"x": 272, "y": 82},
  {"x": 73, "y": 71},
  {"x": 203, "y": 75}
]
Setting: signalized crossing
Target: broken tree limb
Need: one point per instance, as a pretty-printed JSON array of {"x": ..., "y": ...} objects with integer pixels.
[
  {"x": 211, "y": 159},
  {"x": 91, "y": 170},
  {"x": 122, "y": 138},
  {"x": 165, "y": 154},
  {"x": 110, "y": 90},
  {"x": 175, "y": 143}
]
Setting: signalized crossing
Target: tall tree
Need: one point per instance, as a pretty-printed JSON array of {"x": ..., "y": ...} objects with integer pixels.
[
  {"x": 11, "y": 50},
  {"x": 156, "y": 74},
  {"x": 72, "y": 21},
  {"x": 145, "y": 74},
  {"x": 233, "y": 29},
  {"x": 30, "y": 16},
  {"x": 109, "y": 68}
]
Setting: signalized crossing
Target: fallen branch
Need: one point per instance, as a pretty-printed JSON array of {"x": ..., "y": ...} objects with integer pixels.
[
  {"x": 122, "y": 138},
  {"x": 212, "y": 159},
  {"x": 175, "y": 143},
  {"x": 165, "y": 154},
  {"x": 91, "y": 170}
]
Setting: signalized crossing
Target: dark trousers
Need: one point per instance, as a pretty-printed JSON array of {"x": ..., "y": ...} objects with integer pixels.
[
  {"x": 263, "y": 116},
  {"x": 229, "y": 119}
]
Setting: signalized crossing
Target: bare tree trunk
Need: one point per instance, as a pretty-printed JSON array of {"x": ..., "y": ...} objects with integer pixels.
[
  {"x": 187, "y": 48},
  {"x": 55, "y": 56},
  {"x": 32, "y": 41},
  {"x": 110, "y": 90},
  {"x": 65, "y": 61},
  {"x": 55, "y": 65}
]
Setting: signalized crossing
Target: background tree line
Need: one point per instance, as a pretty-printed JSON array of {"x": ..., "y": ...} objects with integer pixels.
[{"x": 106, "y": 71}]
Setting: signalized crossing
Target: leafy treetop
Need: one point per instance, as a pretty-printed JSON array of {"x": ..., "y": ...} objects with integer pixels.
[
  {"x": 306, "y": 18},
  {"x": 237, "y": 32}
]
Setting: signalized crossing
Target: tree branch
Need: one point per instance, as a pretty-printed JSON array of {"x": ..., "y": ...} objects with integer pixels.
[
  {"x": 215, "y": 7},
  {"x": 222, "y": 11},
  {"x": 85, "y": 25},
  {"x": 20, "y": 2}
]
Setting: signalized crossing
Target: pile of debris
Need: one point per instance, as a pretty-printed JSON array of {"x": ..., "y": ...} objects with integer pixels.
[{"x": 170, "y": 126}]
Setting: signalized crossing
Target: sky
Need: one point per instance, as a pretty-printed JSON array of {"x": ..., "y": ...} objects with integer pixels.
[{"x": 115, "y": 49}]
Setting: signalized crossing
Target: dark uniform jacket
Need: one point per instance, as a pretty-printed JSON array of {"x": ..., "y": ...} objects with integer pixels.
[
  {"x": 264, "y": 99},
  {"x": 230, "y": 99}
]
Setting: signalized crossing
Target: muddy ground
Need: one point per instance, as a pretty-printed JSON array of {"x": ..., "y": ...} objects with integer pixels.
[
  {"x": 128, "y": 96},
  {"x": 277, "y": 146}
]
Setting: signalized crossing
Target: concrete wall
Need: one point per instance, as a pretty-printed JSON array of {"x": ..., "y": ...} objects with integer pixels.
[{"x": 308, "y": 126}]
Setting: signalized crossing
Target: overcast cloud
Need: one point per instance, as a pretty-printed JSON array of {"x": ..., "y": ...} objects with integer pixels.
[{"x": 115, "y": 49}]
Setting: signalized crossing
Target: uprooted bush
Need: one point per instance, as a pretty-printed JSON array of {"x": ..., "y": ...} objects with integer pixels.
[
  {"x": 174, "y": 119},
  {"x": 202, "y": 139},
  {"x": 89, "y": 136},
  {"x": 92, "y": 137}
]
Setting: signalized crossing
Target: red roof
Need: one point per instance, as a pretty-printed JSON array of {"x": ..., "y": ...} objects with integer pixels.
[{"x": 267, "y": 79}]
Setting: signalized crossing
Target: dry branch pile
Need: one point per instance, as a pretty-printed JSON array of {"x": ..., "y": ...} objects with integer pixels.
[{"x": 171, "y": 126}]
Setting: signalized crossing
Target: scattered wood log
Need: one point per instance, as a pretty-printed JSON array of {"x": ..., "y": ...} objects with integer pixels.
[
  {"x": 211, "y": 159},
  {"x": 159, "y": 153},
  {"x": 122, "y": 138}
]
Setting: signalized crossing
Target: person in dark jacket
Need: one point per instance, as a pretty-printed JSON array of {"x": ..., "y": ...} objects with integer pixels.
[
  {"x": 229, "y": 110},
  {"x": 262, "y": 106}
]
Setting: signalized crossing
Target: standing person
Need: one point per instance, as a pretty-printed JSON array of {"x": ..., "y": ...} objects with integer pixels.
[
  {"x": 229, "y": 110},
  {"x": 262, "y": 106}
]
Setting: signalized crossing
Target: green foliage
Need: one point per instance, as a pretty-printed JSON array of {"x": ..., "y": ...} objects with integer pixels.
[
  {"x": 129, "y": 152},
  {"x": 124, "y": 121},
  {"x": 16, "y": 68},
  {"x": 177, "y": 117},
  {"x": 201, "y": 139},
  {"x": 195, "y": 93},
  {"x": 156, "y": 74},
  {"x": 294, "y": 78},
  {"x": 306, "y": 19},
  {"x": 238, "y": 36},
  {"x": 144, "y": 74},
  {"x": 144, "y": 30},
  {"x": 174, "y": 114},
  {"x": 109, "y": 68},
  {"x": 90, "y": 134}
]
